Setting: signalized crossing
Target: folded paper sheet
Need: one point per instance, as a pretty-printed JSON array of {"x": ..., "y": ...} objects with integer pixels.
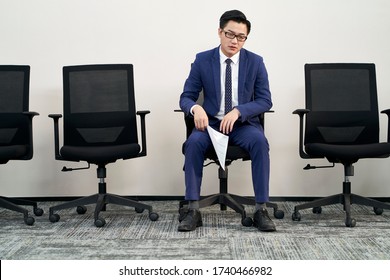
[{"x": 220, "y": 143}]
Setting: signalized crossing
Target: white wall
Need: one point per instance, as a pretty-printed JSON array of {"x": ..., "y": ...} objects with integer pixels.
[{"x": 161, "y": 39}]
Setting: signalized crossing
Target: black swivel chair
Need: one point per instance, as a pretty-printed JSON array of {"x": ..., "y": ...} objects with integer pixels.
[
  {"x": 223, "y": 198},
  {"x": 16, "y": 137},
  {"x": 341, "y": 123},
  {"x": 99, "y": 127}
]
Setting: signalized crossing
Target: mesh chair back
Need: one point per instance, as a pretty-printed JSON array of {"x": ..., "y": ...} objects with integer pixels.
[
  {"x": 342, "y": 99},
  {"x": 99, "y": 105},
  {"x": 14, "y": 99}
]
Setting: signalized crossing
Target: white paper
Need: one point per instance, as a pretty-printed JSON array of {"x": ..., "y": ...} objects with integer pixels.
[{"x": 220, "y": 143}]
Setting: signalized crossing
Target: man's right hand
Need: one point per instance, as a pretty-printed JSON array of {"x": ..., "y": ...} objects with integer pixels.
[{"x": 200, "y": 118}]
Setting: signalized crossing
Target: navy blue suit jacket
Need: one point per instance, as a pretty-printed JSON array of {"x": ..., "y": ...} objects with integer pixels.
[{"x": 254, "y": 96}]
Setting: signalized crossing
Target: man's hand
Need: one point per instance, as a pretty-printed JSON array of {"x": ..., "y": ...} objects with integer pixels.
[
  {"x": 228, "y": 121},
  {"x": 200, "y": 118}
]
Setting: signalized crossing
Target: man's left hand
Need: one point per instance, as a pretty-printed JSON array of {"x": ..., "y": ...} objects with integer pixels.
[{"x": 228, "y": 121}]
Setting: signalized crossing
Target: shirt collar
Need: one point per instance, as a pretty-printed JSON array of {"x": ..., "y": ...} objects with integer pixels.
[{"x": 223, "y": 57}]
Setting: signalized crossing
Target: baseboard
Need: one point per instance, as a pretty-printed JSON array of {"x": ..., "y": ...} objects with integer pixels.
[{"x": 169, "y": 197}]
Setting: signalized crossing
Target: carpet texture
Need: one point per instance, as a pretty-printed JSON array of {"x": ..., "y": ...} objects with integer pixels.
[{"x": 130, "y": 235}]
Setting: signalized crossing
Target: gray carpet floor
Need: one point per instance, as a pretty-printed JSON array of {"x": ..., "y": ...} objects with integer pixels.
[{"x": 132, "y": 236}]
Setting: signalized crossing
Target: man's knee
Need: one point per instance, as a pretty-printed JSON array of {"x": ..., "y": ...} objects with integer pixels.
[
  {"x": 198, "y": 141},
  {"x": 260, "y": 143}
]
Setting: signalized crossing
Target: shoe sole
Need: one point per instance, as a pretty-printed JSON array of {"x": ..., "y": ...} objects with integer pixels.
[
  {"x": 264, "y": 229},
  {"x": 199, "y": 224}
]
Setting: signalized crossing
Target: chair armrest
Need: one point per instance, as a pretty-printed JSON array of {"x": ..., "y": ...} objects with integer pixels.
[
  {"x": 55, "y": 118},
  {"x": 387, "y": 112},
  {"x": 301, "y": 113},
  {"x": 142, "y": 115},
  {"x": 262, "y": 118},
  {"x": 189, "y": 120},
  {"x": 30, "y": 116}
]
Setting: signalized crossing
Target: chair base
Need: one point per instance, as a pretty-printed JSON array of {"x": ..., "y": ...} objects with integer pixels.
[
  {"x": 13, "y": 204},
  {"x": 101, "y": 200},
  {"x": 346, "y": 199},
  {"x": 234, "y": 202}
]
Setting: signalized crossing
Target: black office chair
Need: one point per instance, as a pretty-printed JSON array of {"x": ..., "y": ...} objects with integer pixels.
[
  {"x": 341, "y": 125},
  {"x": 223, "y": 198},
  {"x": 99, "y": 127},
  {"x": 16, "y": 136}
]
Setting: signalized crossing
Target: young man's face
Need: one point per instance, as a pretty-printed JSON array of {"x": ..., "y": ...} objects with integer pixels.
[{"x": 237, "y": 31}]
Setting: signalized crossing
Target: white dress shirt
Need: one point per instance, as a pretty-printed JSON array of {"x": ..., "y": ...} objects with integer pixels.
[{"x": 234, "y": 66}]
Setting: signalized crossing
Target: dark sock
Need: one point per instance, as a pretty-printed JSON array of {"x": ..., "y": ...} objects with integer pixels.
[
  {"x": 260, "y": 206},
  {"x": 193, "y": 204}
]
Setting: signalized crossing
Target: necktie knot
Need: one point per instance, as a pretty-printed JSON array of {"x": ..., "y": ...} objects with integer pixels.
[{"x": 228, "y": 61}]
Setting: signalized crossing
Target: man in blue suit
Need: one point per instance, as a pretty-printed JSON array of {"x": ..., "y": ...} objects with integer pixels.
[{"x": 251, "y": 96}]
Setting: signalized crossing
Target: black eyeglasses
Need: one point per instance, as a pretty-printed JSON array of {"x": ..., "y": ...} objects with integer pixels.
[{"x": 231, "y": 35}]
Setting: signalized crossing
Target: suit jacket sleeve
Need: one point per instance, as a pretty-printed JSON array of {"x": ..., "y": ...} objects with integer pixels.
[{"x": 192, "y": 87}]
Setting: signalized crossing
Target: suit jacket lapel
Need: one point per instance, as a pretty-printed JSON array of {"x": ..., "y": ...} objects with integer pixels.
[
  {"x": 216, "y": 66},
  {"x": 241, "y": 75}
]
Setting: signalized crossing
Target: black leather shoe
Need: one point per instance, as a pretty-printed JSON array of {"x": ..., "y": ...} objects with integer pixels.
[
  {"x": 262, "y": 221},
  {"x": 190, "y": 220}
]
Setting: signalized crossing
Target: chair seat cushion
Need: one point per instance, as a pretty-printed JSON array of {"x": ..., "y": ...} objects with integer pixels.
[
  {"x": 12, "y": 152},
  {"x": 233, "y": 153},
  {"x": 100, "y": 154},
  {"x": 348, "y": 152}
]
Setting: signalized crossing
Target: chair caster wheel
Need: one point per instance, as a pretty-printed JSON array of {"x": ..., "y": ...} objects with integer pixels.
[
  {"x": 317, "y": 210},
  {"x": 349, "y": 222},
  {"x": 279, "y": 214},
  {"x": 296, "y": 216},
  {"x": 38, "y": 211},
  {"x": 81, "y": 209},
  {"x": 378, "y": 211},
  {"x": 29, "y": 221},
  {"x": 100, "y": 222},
  {"x": 54, "y": 218},
  {"x": 153, "y": 216},
  {"x": 139, "y": 210},
  {"x": 247, "y": 222}
]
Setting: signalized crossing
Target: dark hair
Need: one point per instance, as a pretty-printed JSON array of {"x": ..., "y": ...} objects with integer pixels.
[{"x": 234, "y": 15}]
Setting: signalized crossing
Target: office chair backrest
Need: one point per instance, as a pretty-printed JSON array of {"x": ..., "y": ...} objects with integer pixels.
[
  {"x": 342, "y": 99},
  {"x": 14, "y": 100},
  {"x": 14, "y": 88},
  {"x": 99, "y": 105}
]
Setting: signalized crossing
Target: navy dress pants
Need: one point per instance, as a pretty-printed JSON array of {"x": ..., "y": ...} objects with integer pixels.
[{"x": 249, "y": 138}]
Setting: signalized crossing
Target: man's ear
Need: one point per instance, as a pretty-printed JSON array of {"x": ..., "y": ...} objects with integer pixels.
[{"x": 219, "y": 32}]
